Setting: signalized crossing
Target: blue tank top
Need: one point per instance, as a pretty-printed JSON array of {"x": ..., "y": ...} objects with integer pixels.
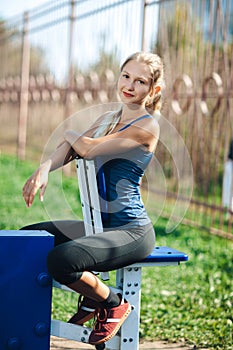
[{"x": 119, "y": 177}]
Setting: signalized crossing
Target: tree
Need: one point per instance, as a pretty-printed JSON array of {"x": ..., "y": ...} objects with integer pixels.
[{"x": 11, "y": 53}]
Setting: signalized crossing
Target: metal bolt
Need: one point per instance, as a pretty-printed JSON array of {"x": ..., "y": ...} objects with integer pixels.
[
  {"x": 41, "y": 329},
  {"x": 13, "y": 343}
]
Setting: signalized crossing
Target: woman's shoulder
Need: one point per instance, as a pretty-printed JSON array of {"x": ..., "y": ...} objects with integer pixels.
[
  {"x": 146, "y": 132},
  {"x": 151, "y": 124}
]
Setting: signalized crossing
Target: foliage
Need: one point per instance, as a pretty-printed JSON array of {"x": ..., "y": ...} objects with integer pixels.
[
  {"x": 191, "y": 45},
  {"x": 191, "y": 302},
  {"x": 106, "y": 59},
  {"x": 103, "y": 60},
  {"x": 11, "y": 52},
  {"x": 14, "y": 213}
]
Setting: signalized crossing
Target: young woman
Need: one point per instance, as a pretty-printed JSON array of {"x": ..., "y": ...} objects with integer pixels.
[{"x": 124, "y": 142}]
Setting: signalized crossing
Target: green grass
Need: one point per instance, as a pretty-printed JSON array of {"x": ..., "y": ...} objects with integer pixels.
[{"x": 191, "y": 302}]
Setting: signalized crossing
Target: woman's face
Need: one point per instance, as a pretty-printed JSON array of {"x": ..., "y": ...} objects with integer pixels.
[{"x": 134, "y": 84}]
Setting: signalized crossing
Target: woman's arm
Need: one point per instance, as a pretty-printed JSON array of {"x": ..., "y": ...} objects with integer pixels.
[
  {"x": 39, "y": 179},
  {"x": 61, "y": 156},
  {"x": 140, "y": 134}
]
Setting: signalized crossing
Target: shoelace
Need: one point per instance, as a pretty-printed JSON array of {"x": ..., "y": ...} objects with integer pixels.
[
  {"x": 99, "y": 318},
  {"x": 80, "y": 300}
]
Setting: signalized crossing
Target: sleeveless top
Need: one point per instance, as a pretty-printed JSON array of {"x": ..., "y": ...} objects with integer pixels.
[{"x": 118, "y": 180}]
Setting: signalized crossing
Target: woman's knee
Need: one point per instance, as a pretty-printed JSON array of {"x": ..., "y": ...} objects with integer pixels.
[
  {"x": 60, "y": 268},
  {"x": 33, "y": 227}
]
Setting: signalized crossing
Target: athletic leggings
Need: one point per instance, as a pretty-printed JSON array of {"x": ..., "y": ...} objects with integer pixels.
[{"x": 74, "y": 252}]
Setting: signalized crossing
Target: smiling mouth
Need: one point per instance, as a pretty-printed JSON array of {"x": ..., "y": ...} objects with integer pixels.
[{"x": 126, "y": 94}]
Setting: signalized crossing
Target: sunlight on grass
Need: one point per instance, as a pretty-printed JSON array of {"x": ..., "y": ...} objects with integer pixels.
[{"x": 191, "y": 302}]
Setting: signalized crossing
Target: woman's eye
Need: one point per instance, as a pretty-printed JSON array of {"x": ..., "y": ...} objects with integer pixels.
[
  {"x": 125, "y": 76},
  {"x": 141, "y": 81}
]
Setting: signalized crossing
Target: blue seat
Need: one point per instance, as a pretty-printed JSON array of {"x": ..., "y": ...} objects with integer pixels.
[{"x": 166, "y": 254}]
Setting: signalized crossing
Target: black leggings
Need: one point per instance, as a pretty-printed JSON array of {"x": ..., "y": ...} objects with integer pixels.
[{"x": 74, "y": 252}]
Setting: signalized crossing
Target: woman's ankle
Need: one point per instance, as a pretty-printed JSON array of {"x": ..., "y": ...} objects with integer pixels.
[{"x": 112, "y": 300}]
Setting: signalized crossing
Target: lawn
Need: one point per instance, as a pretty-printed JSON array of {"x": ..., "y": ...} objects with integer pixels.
[{"x": 191, "y": 302}]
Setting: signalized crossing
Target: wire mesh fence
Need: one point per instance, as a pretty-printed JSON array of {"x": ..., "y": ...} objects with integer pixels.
[{"x": 64, "y": 56}]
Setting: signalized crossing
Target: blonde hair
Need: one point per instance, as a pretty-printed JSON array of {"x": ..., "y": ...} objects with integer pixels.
[
  {"x": 110, "y": 120},
  {"x": 154, "y": 102}
]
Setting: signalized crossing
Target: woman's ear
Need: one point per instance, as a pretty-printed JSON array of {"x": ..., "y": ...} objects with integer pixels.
[{"x": 155, "y": 90}]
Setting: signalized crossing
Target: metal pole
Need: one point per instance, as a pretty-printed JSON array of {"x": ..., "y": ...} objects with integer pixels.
[
  {"x": 70, "y": 60},
  {"x": 143, "y": 21},
  {"x": 67, "y": 111},
  {"x": 23, "y": 107}
]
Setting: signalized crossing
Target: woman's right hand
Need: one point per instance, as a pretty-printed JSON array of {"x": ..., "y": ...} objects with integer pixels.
[{"x": 37, "y": 181}]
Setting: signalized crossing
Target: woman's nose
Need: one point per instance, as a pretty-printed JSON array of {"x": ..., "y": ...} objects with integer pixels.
[{"x": 130, "y": 85}]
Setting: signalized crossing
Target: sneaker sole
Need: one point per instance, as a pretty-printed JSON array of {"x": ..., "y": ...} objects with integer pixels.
[{"x": 122, "y": 320}]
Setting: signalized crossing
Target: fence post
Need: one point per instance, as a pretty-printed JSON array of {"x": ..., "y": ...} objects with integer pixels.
[
  {"x": 143, "y": 21},
  {"x": 70, "y": 61},
  {"x": 70, "y": 83},
  {"x": 23, "y": 107}
]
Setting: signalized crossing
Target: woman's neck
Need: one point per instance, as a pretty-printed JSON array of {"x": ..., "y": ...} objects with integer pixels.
[{"x": 132, "y": 112}]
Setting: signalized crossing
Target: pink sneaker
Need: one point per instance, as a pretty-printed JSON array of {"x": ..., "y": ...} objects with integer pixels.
[
  {"x": 108, "y": 322},
  {"x": 86, "y": 310}
]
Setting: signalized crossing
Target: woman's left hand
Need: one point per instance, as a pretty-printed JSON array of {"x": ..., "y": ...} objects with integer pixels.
[{"x": 37, "y": 181}]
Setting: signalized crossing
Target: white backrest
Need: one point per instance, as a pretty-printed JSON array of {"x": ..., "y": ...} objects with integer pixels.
[{"x": 89, "y": 196}]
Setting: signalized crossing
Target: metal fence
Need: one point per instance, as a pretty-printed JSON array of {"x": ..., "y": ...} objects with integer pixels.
[{"x": 64, "y": 56}]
